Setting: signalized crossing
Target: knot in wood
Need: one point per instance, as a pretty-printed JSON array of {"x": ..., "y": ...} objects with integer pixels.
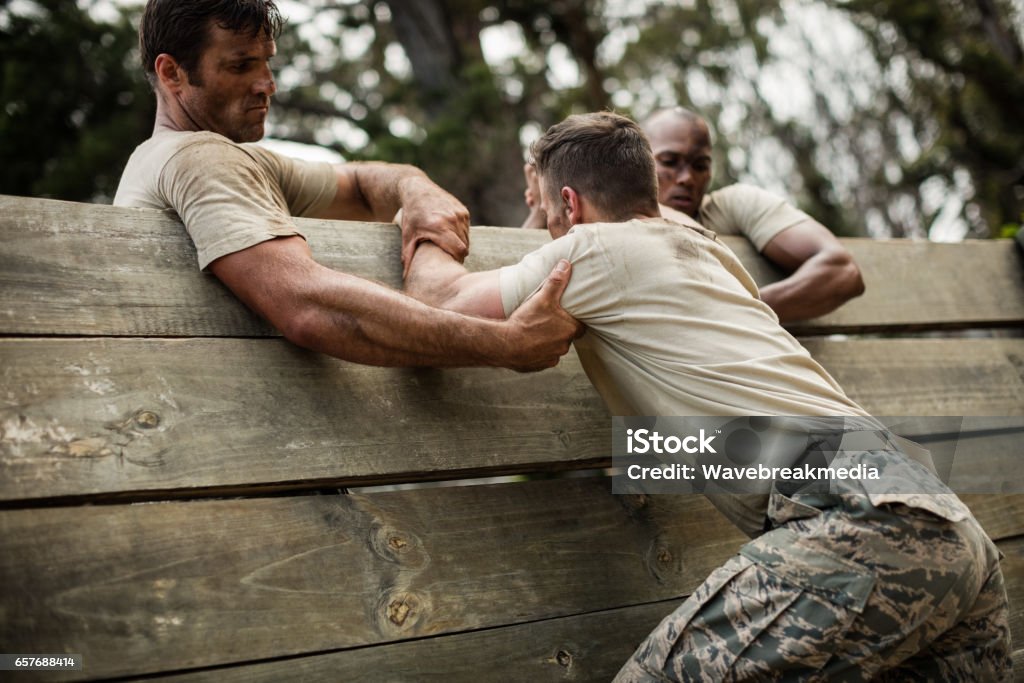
[
  {"x": 664, "y": 556},
  {"x": 564, "y": 658},
  {"x": 402, "y": 608},
  {"x": 147, "y": 419}
]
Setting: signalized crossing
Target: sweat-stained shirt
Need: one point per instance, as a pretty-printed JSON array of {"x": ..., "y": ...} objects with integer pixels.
[
  {"x": 675, "y": 328},
  {"x": 230, "y": 196}
]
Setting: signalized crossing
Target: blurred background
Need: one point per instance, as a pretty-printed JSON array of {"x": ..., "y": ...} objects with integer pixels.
[{"x": 881, "y": 119}]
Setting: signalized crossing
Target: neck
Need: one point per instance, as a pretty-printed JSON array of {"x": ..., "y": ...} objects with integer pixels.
[
  {"x": 170, "y": 117},
  {"x": 602, "y": 217}
]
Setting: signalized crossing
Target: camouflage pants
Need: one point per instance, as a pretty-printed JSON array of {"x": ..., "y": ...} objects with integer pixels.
[{"x": 851, "y": 593}]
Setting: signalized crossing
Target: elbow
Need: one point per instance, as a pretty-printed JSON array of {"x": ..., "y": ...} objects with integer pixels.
[
  {"x": 301, "y": 326},
  {"x": 845, "y": 280},
  {"x": 851, "y": 278}
]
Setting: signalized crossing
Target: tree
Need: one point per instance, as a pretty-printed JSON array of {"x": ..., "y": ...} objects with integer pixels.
[
  {"x": 877, "y": 117},
  {"x": 961, "y": 68},
  {"x": 75, "y": 101}
]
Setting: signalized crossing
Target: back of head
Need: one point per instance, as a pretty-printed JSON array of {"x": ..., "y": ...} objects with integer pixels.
[
  {"x": 605, "y": 157},
  {"x": 180, "y": 28}
]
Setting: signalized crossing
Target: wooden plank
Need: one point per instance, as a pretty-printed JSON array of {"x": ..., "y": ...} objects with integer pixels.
[
  {"x": 588, "y": 646},
  {"x": 80, "y": 269},
  {"x": 918, "y": 285},
  {"x": 93, "y": 416},
  {"x": 105, "y": 415},
  {"x": 170, "y": 586},
  {"x": 927, "y": 376}
]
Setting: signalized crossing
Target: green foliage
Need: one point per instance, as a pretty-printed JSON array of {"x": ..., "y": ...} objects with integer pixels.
[
  {"x": 965, "y": 80},
  {"x": 918, "y": 120},
  {"x": 75, "y": 104}
]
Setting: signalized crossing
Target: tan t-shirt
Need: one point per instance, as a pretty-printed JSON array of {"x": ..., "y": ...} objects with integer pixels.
[
  {"x": 674, "y": 325},
  {"x": 675, "y": 328},
  {"x": 229, "y": 196},
  {"x": 747, "y": 210}
]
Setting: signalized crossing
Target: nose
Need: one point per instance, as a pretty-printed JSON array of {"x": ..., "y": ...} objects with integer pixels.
[
  {"x": 683, "y": 175},
  {"x": 265, "y": 85}
]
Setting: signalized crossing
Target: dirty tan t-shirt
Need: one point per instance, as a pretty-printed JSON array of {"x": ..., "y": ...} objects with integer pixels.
[
  {"x": 229, "y": 196},
  {"x": 674, "y": 325},
  {"x": 747, "y": 210},
  {"x": 675, "y": 328}
]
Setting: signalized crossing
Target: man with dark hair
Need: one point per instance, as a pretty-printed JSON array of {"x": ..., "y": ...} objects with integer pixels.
[
  {"x": 822, "y": 273},
  {"x": 209, "y": 64},
  {"x": 674, "y": 327}
]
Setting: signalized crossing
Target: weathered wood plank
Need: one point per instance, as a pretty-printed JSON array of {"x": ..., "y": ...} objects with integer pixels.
[
  {"x": 927, "y": 376},
  {"x": 163, "y": 587},
  {"x": 81, "y": 269},
  {"x": 588, "y": 647},
  {"x": 104, "y": 415},
  {"x": 89, "y": 416}
]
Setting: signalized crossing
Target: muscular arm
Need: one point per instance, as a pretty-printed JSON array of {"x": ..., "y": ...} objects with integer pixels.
[
  {"x": 361, "y": 321},
  {"x": 437, "y": 279},
  {"x": 375, "y": 191},
  {"x": 823, "y": 275}
]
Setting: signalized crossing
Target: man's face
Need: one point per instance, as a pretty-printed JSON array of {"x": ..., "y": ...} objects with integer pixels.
[
  {"x": 682, "y": 151},
  {"x": 231, "y": 89}
]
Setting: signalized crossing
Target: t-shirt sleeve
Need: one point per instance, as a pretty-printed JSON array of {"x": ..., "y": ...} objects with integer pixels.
[
  {"x": 590, "y": 293},
  {"x": 226, "y": 199},
  {"x": 308, "y": 186},
  {"x": 751, "y": 211}
]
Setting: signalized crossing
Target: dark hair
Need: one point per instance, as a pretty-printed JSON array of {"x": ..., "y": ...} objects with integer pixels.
[
  {"x": 603, "y": 156},
  {"x": 180, "y": 28}
]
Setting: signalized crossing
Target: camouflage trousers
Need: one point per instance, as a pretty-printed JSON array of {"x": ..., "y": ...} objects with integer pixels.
[{"x": 852, "y": 592}]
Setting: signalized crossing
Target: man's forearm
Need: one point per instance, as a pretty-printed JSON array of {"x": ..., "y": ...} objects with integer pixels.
[
  {"x": 819, "y": 286},
  {"x": 432, "y": 276},
  {"x": 378, "y": 326},
  {"x": 384, "y": 186},
  {"x": 365, "y": 322}
]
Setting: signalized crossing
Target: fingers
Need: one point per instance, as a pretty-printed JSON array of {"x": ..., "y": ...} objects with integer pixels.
[{"x": 557, "y": 281}]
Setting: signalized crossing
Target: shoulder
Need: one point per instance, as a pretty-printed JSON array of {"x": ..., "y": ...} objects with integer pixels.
[{"x": 740, "y": 195}]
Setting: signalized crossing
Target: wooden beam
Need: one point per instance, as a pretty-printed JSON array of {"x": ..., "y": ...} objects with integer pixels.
[
  {"x": 587, "y": 647},
  {"x": 101, "y": 416},
  {"x": 140, "y": 589},
  {"x": 81, "y": 269},
  {"x": 147, "y": 588}
]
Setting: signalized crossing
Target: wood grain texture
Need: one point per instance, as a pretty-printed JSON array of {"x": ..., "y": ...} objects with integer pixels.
[
  {"x": 166, "y": 587},
  {"x": 81, "y": 269},
  {"x": 90, "y": 416},
  {"x": 588, "y": 647},
  {"x": 157, "y": 587},
  {"x": 104, "y": 415}
]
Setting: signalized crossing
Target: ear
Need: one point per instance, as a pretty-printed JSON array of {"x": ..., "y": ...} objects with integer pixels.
[
  {"x": 572, "y": 205},
  {"x": 169, "y": 72}
]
